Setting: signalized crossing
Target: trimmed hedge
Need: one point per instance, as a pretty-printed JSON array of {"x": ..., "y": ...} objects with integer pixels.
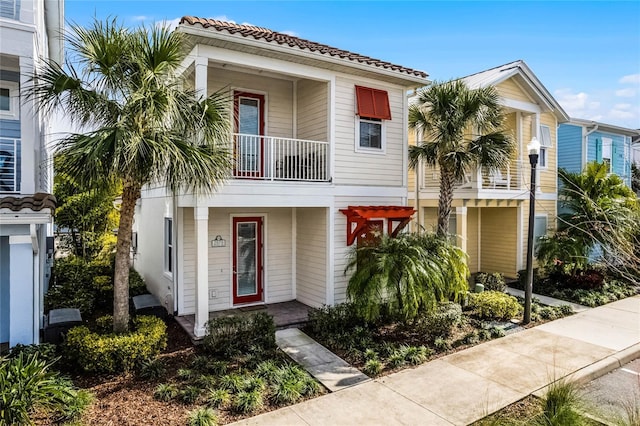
[
  {"x": 441, "y": 321},
  {"x": 113, "y": 353},
  {"x": 494, "y": 305},
  {"x": 232, "y": 336}
]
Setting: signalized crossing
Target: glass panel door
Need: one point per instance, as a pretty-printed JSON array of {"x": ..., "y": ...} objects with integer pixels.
[
  {"x": 250, "y": 124},
  {"x": 247, "y": 259}
]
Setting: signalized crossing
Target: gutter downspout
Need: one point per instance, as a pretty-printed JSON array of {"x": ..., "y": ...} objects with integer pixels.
[
  {"x": 53, "y": 17},
  {"x": 36, "y": 284}
]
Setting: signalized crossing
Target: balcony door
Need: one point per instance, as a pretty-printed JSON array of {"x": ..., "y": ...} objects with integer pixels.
[
  {"x": 249, "y": 143},
  {"x": 247, "y": 260}
]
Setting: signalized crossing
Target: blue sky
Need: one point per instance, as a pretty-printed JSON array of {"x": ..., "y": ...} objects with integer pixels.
[{"x": 586, "y": 53}]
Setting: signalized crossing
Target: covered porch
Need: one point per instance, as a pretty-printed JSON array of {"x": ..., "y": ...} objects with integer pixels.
[{"x": 285, "y": 315}]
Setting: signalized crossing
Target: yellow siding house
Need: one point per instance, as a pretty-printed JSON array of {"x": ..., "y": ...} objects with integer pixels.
[{"x": 490, "y": 209}]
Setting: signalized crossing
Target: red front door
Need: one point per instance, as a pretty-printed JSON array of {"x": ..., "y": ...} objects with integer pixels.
[
  {"x": 249, "y": 144},
  {"x": 247, "y": 260}
]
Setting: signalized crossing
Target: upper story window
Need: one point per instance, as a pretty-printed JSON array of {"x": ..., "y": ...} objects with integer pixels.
[
  {"x": 545, "y": 144},
  {"x": 607, "y": 150},
  {"x": 372, "y": 109},
  {"x": 8, "y": 100},
  {"x": 168, "y": 245},
  {"x": 10, "y": 9}
]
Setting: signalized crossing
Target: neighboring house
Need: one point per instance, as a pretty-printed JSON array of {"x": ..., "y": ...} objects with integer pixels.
[
  {"x": 583, "y": 141},
  {"x": 29, "y": 30},
  {"x": 490, "y": 209},
  {"x": 320, "y": 148}
]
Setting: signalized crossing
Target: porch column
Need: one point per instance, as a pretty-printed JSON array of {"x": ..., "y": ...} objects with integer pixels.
[
  {"x": 461, "y": 227},
  {"x": 201, "y": 217},
  {"x": 21, "y": 291},
  {"x": 200, "y": 65}
]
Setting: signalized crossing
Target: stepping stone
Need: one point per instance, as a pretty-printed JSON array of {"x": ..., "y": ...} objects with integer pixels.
[{"x": 328, "y": 368}]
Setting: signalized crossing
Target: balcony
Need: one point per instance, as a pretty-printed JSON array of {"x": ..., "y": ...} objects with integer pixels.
[
  {"x": 508, "y": 179},
  {"x": 280, "y": 159},
  {"x": 9, "y": 165}
]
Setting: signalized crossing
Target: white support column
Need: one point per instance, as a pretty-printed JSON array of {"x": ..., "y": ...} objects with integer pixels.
[
  {"x": 461, "y": 227},
  {"x": 294, "y": 251},
  {"x": 22, "y": 283},
  {"x": 201, "y": 63},
  {"x": 201, "y": 217},
  {"x": 331, "y": 255},
  {"x": 29, "y": 135}
]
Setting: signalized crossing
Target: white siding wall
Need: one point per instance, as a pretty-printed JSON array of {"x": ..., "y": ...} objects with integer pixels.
[
  {"x": 359, "y": 168},
  {"x": 277, "y": 260},
  {"x": 341, "y": 249},
  {"x": 312, "y": 101},
  {"x": 279, "y": 97},
  {"x": 149, "y": 261},
  {"x": 311, "y": 257}
]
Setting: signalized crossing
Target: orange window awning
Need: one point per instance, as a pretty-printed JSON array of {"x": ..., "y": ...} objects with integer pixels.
[
  {"x": 358, "y": 218},
  {"x": 373, "y": 103}
]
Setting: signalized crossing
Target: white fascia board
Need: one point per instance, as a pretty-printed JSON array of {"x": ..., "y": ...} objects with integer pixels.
[
  {"x": 201, "y": 32},
  {"x": 14, "y": 218},
  {"x": 521, "y": 105},
  {"x": 17, "y": 39}
]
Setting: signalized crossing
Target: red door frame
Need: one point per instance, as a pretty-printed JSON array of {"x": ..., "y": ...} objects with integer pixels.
[
  {"x": 258, "y": 297},
  {"x": 237, "y": 95}
]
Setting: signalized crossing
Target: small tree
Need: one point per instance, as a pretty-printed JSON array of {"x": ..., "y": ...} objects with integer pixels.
[{"x": 409, "y": 273}]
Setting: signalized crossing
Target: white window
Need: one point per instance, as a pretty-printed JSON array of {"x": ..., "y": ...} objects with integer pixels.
[
  {"x": 372, "y": 110},
  {"x": 545, "y": 144},
  {"x": 168, "y": 245},
  {"x": 607, "y": 144},
  {"x": 539, "y": 228},
  {"x": 9, "y": 99},
  {"x": 370, "y": 133}
]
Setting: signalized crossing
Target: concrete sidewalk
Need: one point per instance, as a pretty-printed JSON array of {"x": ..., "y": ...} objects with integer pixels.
[{"x": 463, "y": 387}]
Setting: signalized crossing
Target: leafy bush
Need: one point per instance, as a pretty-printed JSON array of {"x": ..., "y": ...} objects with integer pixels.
[
  {"x": 46, "y": 352},
  {"x": 441, "y": 344},
  {"x": 441, "y": 321},
  {"x": 588, "y": 280},
  {"x": 372, "y": 367},
  {"x": 152, "y": 369},
  {"x": 491, "y": 282},
  {"x": 219, "y": 398},
  {"x": 26, "y": 383},
  {"x": 494, "y": 305},
  {"x": 247, "y": 401},
  {"x": 189, "y": 394},
  {"x": 232, "y": 382},
  {"x": 111, "y": 353},
  {"x": 329, "y": 321},
  {"x": 185, "y": 374},
  {"x": 561, "y": 406},
  {"x": 202, "y": 417},
  {"x": 232, "y": 336},
  {"x": 165, "y": 392}
]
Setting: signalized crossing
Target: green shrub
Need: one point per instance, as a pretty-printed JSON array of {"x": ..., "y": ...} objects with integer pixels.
[
  {"x": 202, "y": 417},
  {"x": 370, "y": 354},
  {"x": 165, "y": 392},
  {"x": 441, "y": 321},
  {"x": 233, "y": 382},
  {"x": 247, "y": 401},
  {"x": 560, "y": 405},
  {"x": 219, "y": 398},
  {"x": 46, "y": 352},
  {"x": 232, "y": 336},
  {"x": 185, "y": 374},
  {"x": 491, "y": 282},
  {"x": 26, "y": 383},
  {"x": 484, "y": 334},
  {"x": 329, "y": 321},
  {"x": 441, "y": 344},
  {"x": 104, "y": 324},
  {"x": 268, "y": 370},
  {"x": 287, "y": 391},
  {"x": 497, "y": 332},
  {"x": 494, "y": 305},
  {"x": 372, "y": 367},
  {"x": 206, "y": 381},
  {"x": 152, "y": 369},
  {"x": 189, "y": 394},
  {"x": 471, "y": 338},
  {"x": 566, "y": 310},
  {"x": 111, "y": 353}
]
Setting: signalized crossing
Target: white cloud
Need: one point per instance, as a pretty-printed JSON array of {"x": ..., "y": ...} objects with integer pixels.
[
  {"x": 141, "y": 18},
  {"x": 619, "y": 114},
  {"x": 622, "y": 106},
  {"x": 626, "y": 93},
  {"x": 575, "y": 103},
  {"x": 290, "y": 33},
  {"x": 172, "y": 24},
  {"x": 631, "y": 78}
]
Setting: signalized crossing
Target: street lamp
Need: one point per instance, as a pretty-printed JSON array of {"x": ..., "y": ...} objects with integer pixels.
[{"x": 534, "y": 150}]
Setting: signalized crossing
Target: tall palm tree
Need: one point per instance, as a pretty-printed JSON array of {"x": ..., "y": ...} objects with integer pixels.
[
  {"x": 144, "y": 126},
  {"x": 446, "y": 114},
  {"x": 410, "y": 273}
]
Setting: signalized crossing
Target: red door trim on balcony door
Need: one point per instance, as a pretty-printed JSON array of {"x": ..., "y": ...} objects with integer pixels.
[{"x": 237, "y": 95}]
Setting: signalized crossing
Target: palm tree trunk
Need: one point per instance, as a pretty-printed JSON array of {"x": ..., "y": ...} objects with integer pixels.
[
  {"x": 130, "y": 194},
  {"x": 444, "y": 203}
]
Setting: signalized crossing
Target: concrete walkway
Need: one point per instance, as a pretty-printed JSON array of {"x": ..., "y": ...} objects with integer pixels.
[
  {"x": 329, "y": 369},
  {"x": 463, "y": 387},
  {"x": 549, "y": 301}
]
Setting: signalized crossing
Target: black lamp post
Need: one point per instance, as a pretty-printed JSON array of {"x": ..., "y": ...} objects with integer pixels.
[{"x": 534, "y": 150}]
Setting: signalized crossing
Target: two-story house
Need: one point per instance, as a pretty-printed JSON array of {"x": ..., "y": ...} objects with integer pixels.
[
  {"x": 490, "y": 208},
  {"x": 320, "y": 150},
  {"x": 583, "y": 141},
  {"x": 30, "y": 30}
]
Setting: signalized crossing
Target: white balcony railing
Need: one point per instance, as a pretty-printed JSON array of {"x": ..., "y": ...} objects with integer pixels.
[
  {"x": 507, "y": 178},
  {"x": 9, "y": 165},
  {"x": 282, "y": 159}
]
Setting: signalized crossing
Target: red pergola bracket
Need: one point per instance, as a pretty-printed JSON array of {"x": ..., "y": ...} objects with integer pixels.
[{"x": 397, "y": 218}]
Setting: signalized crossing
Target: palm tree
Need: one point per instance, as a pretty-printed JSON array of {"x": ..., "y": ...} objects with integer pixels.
[
  {"x": 409, "y": 273},
  {"x": 445, "y": 114},
  {"x": 145, "y": 127}
]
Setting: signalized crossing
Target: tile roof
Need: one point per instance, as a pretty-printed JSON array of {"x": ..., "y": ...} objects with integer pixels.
[
  {"x": 270, "y": 36},
  {"x": 35, "y": 202}
]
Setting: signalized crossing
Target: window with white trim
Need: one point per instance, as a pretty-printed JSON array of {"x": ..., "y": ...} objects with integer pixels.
[
  {"x": 372, "y": 110},
  {"x": 607, "y": 150},
  {"x": 545, "y": 144},
  {"x": 539, "y": 229},
  {"x": 9, "y": 99},
  {"x": 168, "y": 245}
]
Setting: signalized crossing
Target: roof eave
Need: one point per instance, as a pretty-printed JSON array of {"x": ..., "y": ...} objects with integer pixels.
[
  {"x": 411, "y": 80},
  {"x": 606, "y": 127}
]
